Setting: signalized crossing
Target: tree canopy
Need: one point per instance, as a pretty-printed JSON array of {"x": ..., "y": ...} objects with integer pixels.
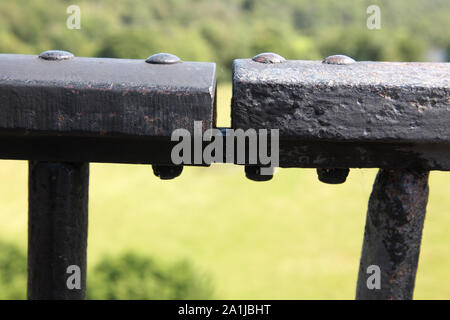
[{"x": 222, "y": 30}]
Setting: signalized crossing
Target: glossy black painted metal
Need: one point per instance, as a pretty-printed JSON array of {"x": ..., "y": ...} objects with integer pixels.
[
  {"x": 100, "y": 100},
  {"x": 254, "y": 173},
  {"x": 167, "y": 172},
  {"x": 57, "y": 229},
  {"x": 332, "y": 175}
]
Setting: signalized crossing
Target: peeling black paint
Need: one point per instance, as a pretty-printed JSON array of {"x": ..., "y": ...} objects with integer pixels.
[{"x": 393, "y": 233}]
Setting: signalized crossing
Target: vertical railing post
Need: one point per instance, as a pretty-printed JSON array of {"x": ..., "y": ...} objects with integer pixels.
[
  {"x": 57, "y": 230},
  {"x": 392, "y": 236}
]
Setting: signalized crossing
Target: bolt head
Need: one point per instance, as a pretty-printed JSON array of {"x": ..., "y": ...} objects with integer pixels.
[
  {"x": 163, "y": 58},
  {"x": 254, "y": 173},
  {"x": 333, "y": 175},
  {"x": 167, "y": 172},
  {"x": 56, "y": 55},
  {"x": 269, "y": 57},
  {"x": 338, "y": 59}
]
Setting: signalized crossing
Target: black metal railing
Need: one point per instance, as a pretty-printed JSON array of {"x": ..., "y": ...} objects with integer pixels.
[{"x": 61, "y": 112}]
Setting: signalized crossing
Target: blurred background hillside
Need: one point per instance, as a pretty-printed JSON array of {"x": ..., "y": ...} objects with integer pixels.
[
  {"x": 211, "y": 233},
  {"x": 222, "y": 30}
]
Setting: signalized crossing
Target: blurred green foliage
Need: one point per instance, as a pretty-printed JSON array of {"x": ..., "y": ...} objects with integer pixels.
[
  {"x": 222, "y": 30},
  {"x": 13, "y": 272},
  {"x": 126, "y": 276},
  {"x": 132, "y": 276}
]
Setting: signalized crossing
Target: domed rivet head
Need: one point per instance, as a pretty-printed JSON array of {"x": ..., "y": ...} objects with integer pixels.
[
  {"x": 254, "y": 173},
  {"x": 338, "y": 59},
  {"x": 269, "y": 58},
  {"x": 163, "y": 58},
  {"x": 333, "y": 175},
  {"x": 56, "y": 55},
  {"x": 167, "y": 172}
]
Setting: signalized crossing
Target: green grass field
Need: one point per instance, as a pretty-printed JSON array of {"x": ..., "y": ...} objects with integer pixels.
[{"x": 290, "y": 238}]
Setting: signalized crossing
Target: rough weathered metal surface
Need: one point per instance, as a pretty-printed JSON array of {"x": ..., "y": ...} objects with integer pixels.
[
  {"x": 393, "y": 233},
  {"x": 101, "y": 98},
  {"x": 403, "y": 106},
  {"x": 57, "y": 228},
  {"x": 364, "y": 101},
  {"x": 326, "y": 154}
]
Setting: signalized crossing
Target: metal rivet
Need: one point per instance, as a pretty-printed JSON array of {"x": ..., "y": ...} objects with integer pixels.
[
  {"x": 268, "y": 57},
  {"x": 163, "y": 58},
  {"x": 254, "y": 173},
  {"x": 56, "y": 55},
  {"x": 333, "y": 175},
  {"x": 167, "y": 172},
  {"x": 338, "y": 59}
]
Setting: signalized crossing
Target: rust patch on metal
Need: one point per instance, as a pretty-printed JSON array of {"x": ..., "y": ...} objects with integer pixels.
[{"x": 393, "y": 233}]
